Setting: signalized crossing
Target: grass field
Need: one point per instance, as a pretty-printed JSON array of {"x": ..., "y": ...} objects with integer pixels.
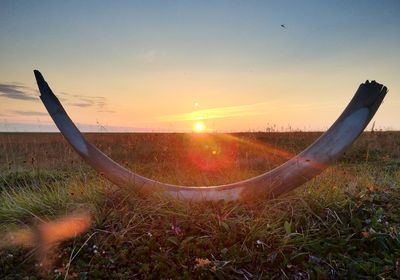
[{"x": 344, "y": 224}]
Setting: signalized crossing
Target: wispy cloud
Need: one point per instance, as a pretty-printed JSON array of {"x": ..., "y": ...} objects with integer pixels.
[
  {"x": 22, "y": 92},
  {"x": 150, "y": 56},
  {"x": 106, "y": 111},
  {"x": 220, "y": 112},
  {"x": 98, "y": 102},
  {"x": 28, "y": 113},
  {"x": 256, "y": 109},
  {"x": 16, "y": 91},
  {"x": 81, "y": 104}
]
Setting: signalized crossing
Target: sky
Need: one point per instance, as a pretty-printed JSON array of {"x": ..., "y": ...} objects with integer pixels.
[{"x": 166, "y": 65}]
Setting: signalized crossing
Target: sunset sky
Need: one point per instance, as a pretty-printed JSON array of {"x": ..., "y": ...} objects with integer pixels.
[{"x": 165, "y": 65}]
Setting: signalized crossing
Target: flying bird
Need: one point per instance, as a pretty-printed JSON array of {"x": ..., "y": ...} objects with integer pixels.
[{"x": 283, "y": 26}]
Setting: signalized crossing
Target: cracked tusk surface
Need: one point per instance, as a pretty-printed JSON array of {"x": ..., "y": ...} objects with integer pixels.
[{"x": 284, "y": 178}]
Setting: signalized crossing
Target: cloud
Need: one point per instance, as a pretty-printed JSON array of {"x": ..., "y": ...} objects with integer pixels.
[
  {"x": 15, "y": 91},
  {"x": 28, "y": 113},
  {"x": 99, "y": 102},
  {"x": 256, "y": 109},
  {"x": 220, "y": 112},
  {"x": 96, "y": 101},
  {"x": 81, "y": 104},
  {"x": 22, "y": 92},
  {"x": 106, "y": 111},
  {"x": 150, "y": 56}
]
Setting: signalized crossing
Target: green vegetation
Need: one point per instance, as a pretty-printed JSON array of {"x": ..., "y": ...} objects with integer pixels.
[{"x": 343, "y": 224}]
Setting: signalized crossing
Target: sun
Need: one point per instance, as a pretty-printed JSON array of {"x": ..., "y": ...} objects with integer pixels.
[{"x": 199, "y": 127}]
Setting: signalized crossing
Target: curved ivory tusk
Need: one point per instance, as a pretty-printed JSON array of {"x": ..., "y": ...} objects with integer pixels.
[{"x": 296, "y": 171}]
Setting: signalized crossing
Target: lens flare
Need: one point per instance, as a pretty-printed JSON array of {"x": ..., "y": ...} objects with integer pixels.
[{"x": 212, "y": 152}]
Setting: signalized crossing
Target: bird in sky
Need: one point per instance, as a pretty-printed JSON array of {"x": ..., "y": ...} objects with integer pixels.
[{"x": 283, "y": 26}]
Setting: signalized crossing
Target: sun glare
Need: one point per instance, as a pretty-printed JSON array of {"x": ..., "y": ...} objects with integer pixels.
[{"x": 199, "y": 127}]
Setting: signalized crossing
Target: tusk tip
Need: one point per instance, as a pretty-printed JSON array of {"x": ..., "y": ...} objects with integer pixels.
[
  {"x": 38, "y": 75},
  {"x": 43, "y": 86}
]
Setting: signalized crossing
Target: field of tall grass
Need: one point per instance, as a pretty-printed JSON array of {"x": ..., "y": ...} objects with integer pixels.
[{"x": 344, "y": 224}]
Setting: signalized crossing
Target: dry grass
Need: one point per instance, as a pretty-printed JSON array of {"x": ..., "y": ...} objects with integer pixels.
[{"x": 343, "y": 224}]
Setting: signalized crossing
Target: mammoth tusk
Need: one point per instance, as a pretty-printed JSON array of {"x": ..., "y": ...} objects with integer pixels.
[{"x": 284, "y": 178}]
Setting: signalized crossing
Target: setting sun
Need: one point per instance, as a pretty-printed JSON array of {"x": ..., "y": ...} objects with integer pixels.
[{"x": 199, "y": 126}]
